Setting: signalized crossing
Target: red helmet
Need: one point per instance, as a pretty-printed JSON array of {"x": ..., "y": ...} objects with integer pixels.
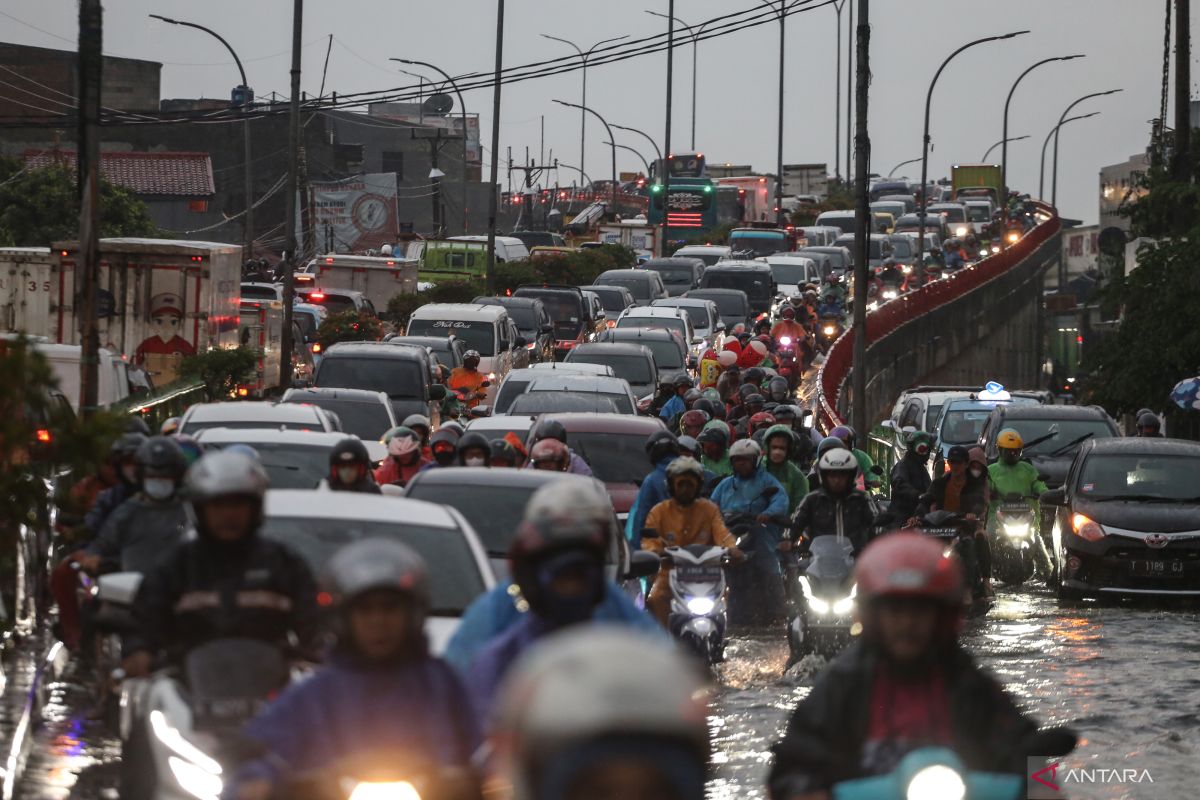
[
  {"x": 908, "y": 565},
  {"x": 695, "y": 417},
  {"x": 551, "y": 450},
  {"x": 762, "y": 419}
]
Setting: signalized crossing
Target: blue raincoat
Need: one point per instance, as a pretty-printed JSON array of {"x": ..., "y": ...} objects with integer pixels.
[{"x": 652, "y": 492}]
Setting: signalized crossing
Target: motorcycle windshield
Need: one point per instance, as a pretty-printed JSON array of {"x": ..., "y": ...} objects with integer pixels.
[
  {"x": 230, "y": 679},
  {"x": 831, "y": 560}
]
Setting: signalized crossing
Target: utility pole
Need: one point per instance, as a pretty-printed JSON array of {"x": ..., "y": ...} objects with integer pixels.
[
  {"x": 435, "y": 175},
  {"x": 90, "y": 64},
  {"x": 779, "y": 140},
  {"x": 850, "y": 67},
  {"x": 862, "y": 166},
  {"x": 1181, "y": 169},
  {"x": 491, "y": 231},
  {"x": 666, "y": 161},
  {"x": 286, "y": 344},
  {"x": 531, "y": 171}
]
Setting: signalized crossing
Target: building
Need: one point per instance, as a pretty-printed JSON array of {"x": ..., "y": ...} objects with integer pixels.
[
  {"x": 1119, "y": 184},
  {"x": 39, "y": 81}
]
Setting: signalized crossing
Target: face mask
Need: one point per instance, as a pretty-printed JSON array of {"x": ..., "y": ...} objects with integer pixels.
[
  {"x": 347, "y": 474},
  {"x": 158, "y": 488},
  {"x": 976, "y": 473},
  {"x": 473, "y": 461}
]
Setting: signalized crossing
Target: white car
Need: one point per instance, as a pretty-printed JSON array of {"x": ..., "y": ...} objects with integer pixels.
[
  {"x": 254, "y": 414},
  {"x": 708, "y": 253},
  {"x": 791, "y": 272},
  {"x": 292, "y": 459}
]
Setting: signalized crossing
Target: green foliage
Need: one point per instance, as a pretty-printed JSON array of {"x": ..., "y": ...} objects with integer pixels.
[
  {"x": 839, "y": 198},
  {"x": 40, "y": 206},
  {"x": 220, "y": 369},
  {"x": 349, "y": 326}
]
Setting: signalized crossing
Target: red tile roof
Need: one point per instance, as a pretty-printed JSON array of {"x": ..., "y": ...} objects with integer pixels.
[{"x": 181, "y": 174}]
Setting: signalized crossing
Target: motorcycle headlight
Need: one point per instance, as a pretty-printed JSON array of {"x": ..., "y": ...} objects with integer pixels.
[
  {"x": 936, "y": 782},
  {"x": 400, "y": 790},
  {"x": 701, "y": 606},
  {"x": 961, "y": 230},
  {"x": 1017, "y": 530},
  {"x": 829, "y": 330},
  {"x": 889, "y": 294},
  {"x": 818, "y": 605},
  {"x": 785, "y": 341},
  {"x": 846, "y": 604},
  {"x": 906, "y": 269}
]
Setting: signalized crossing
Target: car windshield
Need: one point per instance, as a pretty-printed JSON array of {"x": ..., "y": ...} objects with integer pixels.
[
  {"x": 979, "y": 213},
  {"x": 1068, "y": 430},
  {"x": 754, "y": 283},
  {"x": 1139, "y": 475},
  {"x": 634, "y": 369},
  {"x": 790, "y": 274},
  {"x": 366, "y": 420},
  {"x": 903, "y": 247},
  {"x": 664, "y": 323},
  {"x": 479, "y": 335},
  {"x": 454, "y": 577},
  {"x": 395, "y": 377},
  {"x": 673, "y": 274},
  {"x": 638, "y": 287},
  {"x": 336, "y": 303},
  {"x": 613, "y": 457},
  {"x": 289, "y": 466},
  {"x": 962, "y": 427},
  {"x": 556, "y": 402}
]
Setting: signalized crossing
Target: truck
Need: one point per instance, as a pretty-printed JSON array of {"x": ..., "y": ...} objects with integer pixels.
[
  {"x": 260, "y": 328},
  {"x": 756, "y": 197},
  {"x": 379, "y": 278},
  {"x": 638, "y": 235},
  {"x": 977, "y": 180},
  {"x": 157, "y": 300},
  {"x": 448, "y": 260}
]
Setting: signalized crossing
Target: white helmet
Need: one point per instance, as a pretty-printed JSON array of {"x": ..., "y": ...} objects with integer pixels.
[
  {"x": 837, "y": 460},
  {"x": 371, "y": 564},
  {"x": 577, "y": 691},
  {"x": 745, "y": 448},
  {"x": 684, "y": 465},
  {"x": 224, "y": 474}
]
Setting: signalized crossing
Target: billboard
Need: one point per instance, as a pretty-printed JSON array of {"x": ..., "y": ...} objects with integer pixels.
[{"x": 354, "y": 215}]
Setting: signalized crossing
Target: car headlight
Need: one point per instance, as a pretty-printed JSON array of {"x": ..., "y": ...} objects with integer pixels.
[
  {"x": 1017, "y": 530},
  {"x": 701, "y": 606},
  {"x": 399, "y": 790},
  {"x": 995, "y": 249},
  {"x": 961, "y": 230},
  {"x": 936, "y": 782}
]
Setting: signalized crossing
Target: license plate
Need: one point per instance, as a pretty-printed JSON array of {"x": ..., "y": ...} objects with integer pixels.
[
  {"x": 699, "y": 574},
  {"x": 1157, "y": 568}
]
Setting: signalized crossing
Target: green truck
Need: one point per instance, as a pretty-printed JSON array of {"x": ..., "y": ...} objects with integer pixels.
[{"x": 977, "y": 180}]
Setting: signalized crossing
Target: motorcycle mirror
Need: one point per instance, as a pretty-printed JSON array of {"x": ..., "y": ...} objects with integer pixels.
[
  {"x": 479, "y": 411},
  {"x": 643, "y": 563},
  {"x": 1043, "y": 477}
]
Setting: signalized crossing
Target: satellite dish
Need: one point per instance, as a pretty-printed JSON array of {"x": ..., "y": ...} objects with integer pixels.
[{"x": 438, "y": 105}]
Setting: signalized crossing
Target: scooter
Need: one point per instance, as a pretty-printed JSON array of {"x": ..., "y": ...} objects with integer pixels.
[
  {"x": 698, "y": 599},
  {"x": 1015, "y": 540},
  {"x": 178, "y": 727},
  {"x": 384, "y": 775},
  {"x": 757, "y": 595},
  {"x": 788, "y": 361},
  {"x": 829, "y": 329},
  {"x": 957, "y": 533},
  {"x": 822, "y": 599}
]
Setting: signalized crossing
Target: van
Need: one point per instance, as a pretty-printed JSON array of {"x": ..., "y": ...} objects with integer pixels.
[
  {"x": 64, "y": 359},
  {"x": 508, "y": 248},
  {"x": 645, "y": 285},
  {"x": 570, "y": 313},
  {"x": 752, "y": 277},
  {"x": 486, "y": 329},
  {"x": 403, "y": 372},
  {"x": 846, "y": 220}
]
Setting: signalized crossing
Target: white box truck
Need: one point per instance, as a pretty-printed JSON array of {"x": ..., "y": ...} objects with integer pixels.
[
  {"x": 261, "y": 329},
  {"x": 26, "y": 282},
  {"x": 640, "y": 236},
  {"x": 379, "y": 278}
]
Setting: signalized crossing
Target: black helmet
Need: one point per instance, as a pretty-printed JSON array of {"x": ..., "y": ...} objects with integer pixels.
[
  {"x": 349, "y": 451},
  {"x": 691, "y": 397},
  {"x": 707, "y": 406},
  {"x": 1149, "y": 420},
  {"x": 137, "y": 425},
  {"x": 473, "y": 440},
  {"x": 753, "y": 398},
  {"x": 778, "y": 388},
  {"x": 660, "y": 445},
  {"x": 745, "y": 390},
  {"x": 504, "y": 451},
  {"x": 713, "y": 435},
  {"x": 666, "y": 383},
  {"x": 126, "y": 446},
  {"x": 550, "y": 429},
  {"x": 754, "y": 375},
  {"x": 683, "y": 379},
  {"x": 444, "y": 445},
  {"x": 161, "y": 457}
]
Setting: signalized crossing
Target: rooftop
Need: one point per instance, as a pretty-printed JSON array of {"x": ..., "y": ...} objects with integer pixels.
[{"x": 178, "y": 174}]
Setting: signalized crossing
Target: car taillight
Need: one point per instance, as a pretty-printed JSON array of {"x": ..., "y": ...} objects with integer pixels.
[
  {"x": 243, "y": 391},
  {"x": 43, "y": 435},
  {"x": 316, "y": 347},
  {"x": 1087, "y": 528},
  {"x": 317, "y": 296}
]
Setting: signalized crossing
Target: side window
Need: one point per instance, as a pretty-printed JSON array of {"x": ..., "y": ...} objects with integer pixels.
[
  {"x": 502, "y": 336},
  {"x": 911, "y": 416}
]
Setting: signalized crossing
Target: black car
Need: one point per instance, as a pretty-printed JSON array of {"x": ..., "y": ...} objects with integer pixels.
[
  {"x": 752, "y": 277},
  {"x": 732, "y": 304},
  {"x": 679, "y": 274},
  {"x": 364, "y": 413},
  {"x": 448, "y": 351},
  {"x": 1052, "y": 434},
  {"x": 1127, "y": 519},
  {"x": 670, "y": 354},
  {"x": 615, "y": 299},
  {"x": 403, "y": 372},
  {"x": 533, "y": 323}
]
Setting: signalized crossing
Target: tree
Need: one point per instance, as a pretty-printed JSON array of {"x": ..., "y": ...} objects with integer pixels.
[
  {"x": 349, "y": 326},
  {"x": 220, "y": 369},
  {"x": 40, "y": 206}
]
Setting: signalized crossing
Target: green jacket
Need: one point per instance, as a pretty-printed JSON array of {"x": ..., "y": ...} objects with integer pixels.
[
  {"x": 795, "y": 483},
  {"x": 722, "y": 468},
  {"x": 865, "y": 463},
  {"x": 1021, "y": 478}
]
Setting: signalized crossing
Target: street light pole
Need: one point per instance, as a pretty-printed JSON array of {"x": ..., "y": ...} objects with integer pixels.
[
  {"x": 645, "y": 163},
  {"x": 1045, "y": 144},
  {"x": 286, "y": 341},
  {"x": 925, "y": 144},
  {"x": 1005, "y": 143},
  {"x": 1004, "y": 135},
  {"x": 666, "y": 151},
  {"x": 248, "y": 170},
  {"x": 695, "y": 34},
  {"x": 495, "y": 171},
  {"x": 644, "y": 135},
  {"x": 462, "y": 107},
  {"x": 584, "y": 55},
  {"x": 611, "y": 140},
  {"x": 779, "y": 140},
  {"x": 1054, "y": 185},
  {"x": 903, "y": 164},
  {"x": 837, "y": 94}
]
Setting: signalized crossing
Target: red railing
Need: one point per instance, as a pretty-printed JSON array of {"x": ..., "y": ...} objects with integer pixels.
[{"x": 891, "y": 315}]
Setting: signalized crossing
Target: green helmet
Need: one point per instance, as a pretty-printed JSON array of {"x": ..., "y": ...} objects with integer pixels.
[
  {"x": 722, "y": 425},
  {"x": 920, "y": 443},
  {"x": 778, "y": 430}
]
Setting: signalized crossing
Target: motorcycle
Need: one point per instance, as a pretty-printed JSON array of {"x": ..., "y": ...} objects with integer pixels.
[
  {"x": 957, "y": 533},
  {"x": 698, "y": 599},
  {"x": 757, "y": 595},
  {"x": 384, "y": 775},
  {"x": 829, "y": 329},
  {"x": 1015, "y": 540},
  {"x": 179, "y": 726},
  {"x": 108, "y": 601},
  {"x": 788, "y": 361},
  {"x": 822, "y": 601}
]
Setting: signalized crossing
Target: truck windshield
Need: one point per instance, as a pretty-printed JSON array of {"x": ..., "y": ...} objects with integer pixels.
[
  {"x": 791, "y": 274},
  {"x": 397, "y": 378},
  {"x": 477, "y": 335},
  {"x": 979, "y": 213},
  {"x": 758, "y": 244}
]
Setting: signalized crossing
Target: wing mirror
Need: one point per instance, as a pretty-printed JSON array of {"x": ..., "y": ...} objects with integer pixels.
[
  {"x": 519, "y": 342},
  {"x": 643, "y": 564},
  {"x": 1054, "y": 497}
]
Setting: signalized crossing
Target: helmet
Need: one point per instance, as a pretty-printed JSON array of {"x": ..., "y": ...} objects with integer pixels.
[
  {"x": 921, "y": 442},
  {"x": 471, "y": 354},
  {"x": 402, "y": 441},
  {"x": 572, "y": 701},
  {"x": 126, "y": 445},
  {"x": 660, "y": 445},
  {"x": 190, "y": 447},
  {"x": 779, "y": 430},
  {"x": 551, "y": 450},
  {"x": 160, "y": 456},
  {"x": 444, "y": 443},
  {"x": 692, "y": 418},
  {"x": 372, "y": 564},
  {"x": 688, "y": 446},
  {"x": 908, "y": 565},
  {"x": 682, "y": 379},
  {"x": 745, "y": 448},
  {"x": 761, "y": 420},
  {"x": 1009, "y": 439},
  {"x": 691, "y": 397},
  {"x": 666, "y": 383},
  {"x": 473, "y": 440},
  {"x": 845, "y": 433},
  {"x": 754, "y": 398},
  {"x": 415, "y": 421},
  {"x": 503, "y": 451},
  {"x": 452, "y": 427},
  {"x": 754, "y": 376},
  {"x": 1149, "y": 419},
  {"x": 226, "y": 474},
  {"x": 759, "y": 347},
  {"x": 723, "y": 426},
  {"x": 713, "y": 436},
  {"x": 349, "y": 451},
  {"x": 170, "y": 426},
  {"x": 745, "y": 390},
  {"x": 837, "y": 460},
  {"x": 777, "y": 387},
  {"x": 787, "y": 312},
  {"x": 786, "y": 411},
  {"x": 684, "y": 465},
  {"x": 829, "y": 443},
  {"x": 550, "y": 429}
]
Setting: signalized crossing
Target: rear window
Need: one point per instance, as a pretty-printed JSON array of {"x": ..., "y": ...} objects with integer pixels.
[
  {"x": 753, "y": 282},
  {"x": 397, "y": 378},
  {"x": 610, "y": 300},
  {"x": 951, "y": 213},
  {"x": 634, "y": 369},
  {"x": 638, "y": 286},
  {"x": 708, "y": 257},
  {"x": 663, "y": 323},
  {"x": 565, "y": 309},
  {"x": 847, "y": 224},
  {"x": 979, "y": 213},
  {"x": 511, "y": 388},
  {"x": 336, "y": 303},
  {"x": 366, "y": 420},
  {"x": 613, "y": 457},
  {"x": 672, "y": 273},
  {"x": 729, "y": 305}
]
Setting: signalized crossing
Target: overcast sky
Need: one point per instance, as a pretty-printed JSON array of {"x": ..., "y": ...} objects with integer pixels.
[{"x": 737, "y": 76}]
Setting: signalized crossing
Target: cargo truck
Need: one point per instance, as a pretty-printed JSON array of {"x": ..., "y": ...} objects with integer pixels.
[
  {"x": 639, "y": 236},
  {"x": 378, "y": 278},
  {"x": 977, "y": 180},
  {"x": 261, "y": 330}
]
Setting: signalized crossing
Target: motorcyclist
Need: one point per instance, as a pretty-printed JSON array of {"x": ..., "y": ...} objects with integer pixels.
[
  {"x": 835, "y": 508},
  {"x": 576, "y": 723},
  {"x": 865, "y": 462},
  {"x": 835, "y": 286},
  {"x": 759, "y": 423},
  {"x": 777, "y": 389},
  {"x": 227, "y": 582},
  {"x": 715, "y": 442},
  {"x": 504, "y": 455},
  {"x": 910, "y": 478},
  {"x": 905, "y": 683},
  {"x": 889, "y": 274},
  {"x": 692, "y": 422},
  {"x": 831, "y": 307},
  {"x": 726, "y": 361},
  {"x": 474, "y": 450},
  {"x": 123, "y": 457},
  {"x": 788, "y": 327},
  {"x": 553, "y": 429},
  {"x": 665, "y": 394},
  {"x": 824, "y": 446},
  {"x": 468, "y": 380},
  {"x": 444, "y": 446},
  {"x": 557, "y": 561},
  {"x": 421, "y": 424},
  {"x": 404, "y": 457},
  {"x": 779, "y": 443},
  {"x": 379, "y": 687},
  {"x": 1011, "y": 475},
  {"x": 1148, "y": 424},
  {"x": 683, "y": 519},
  {"x": 746, "y": 490},
  {"x": 675, "y": 406},
  {"x": 951, "y": 255},
  {"x": 963, "y": 489},
  {"x": 350, "y": 468},
  {"x": 550, "y": 455},
  {"x": 662, "y": 447}
]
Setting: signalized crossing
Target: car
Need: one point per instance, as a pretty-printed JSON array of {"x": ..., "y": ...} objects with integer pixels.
[
  {"x": 403, "y": 372},
  {"x": 933, "y": 223},
  {"x": 703, "y": 314},
  {"x": 980, "y": 213},
  {"x": 708, "y": 253},
  {"x": 447, "y": 351},
  {"x": 791, "y": 271},
  {"x": 668, "y": 350},
  {"x": 615, "y": 299},
  {"x": 955, "y": 215},
  {"x": 908, "y": 200},
  {"x": 532, "y": 405},
  {"x": 893, "y": 207},
  {"x": 879, "y": 247},
  {"x": 846, "y": 220},
  {"x": 498, "y": 427},
  {"x": 364, "y": 413},
  {"x": 570, "y": 314},
  {"x": 532, "y": 321},
  {"x": 920, "y": 407},
  {"x": 818, "y": 235},
  {"x": 1127, "y": 519},
  {"x": 904, "y": 248},
  {"x": 1052, "y": 434},
  {"x": 615, "y": 388},
  {"x": 644, "y": 285},
  {"x": 517, "y": 383},
  {"x": 293, "y": 459},
  {"x": 508, "y": 248},
  {"x": 338, "y": 300},
  {"x": 880, "y": 189},
  {"x": 674, "y": 320},
  {"x": 316, "y": 524},
  {"x": 532, "y": 239},
  {"x": 752, "y": 277},
  {"x": 495, "y": 504},
  {"x": 254, "y": 414},
  {"x": 629, "y": 360},
  {"x": 252, "y": 290},
  {"x": 488, "y": 330},
  {"x": 679, "y": 273},
  {"x": 961, "y": 421},
  {"x": 732, "y": 305},
  {"x": 615, "y": 449},
  {"x": 840, "y": 258},
  {"x": 577, "y": 367}
]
